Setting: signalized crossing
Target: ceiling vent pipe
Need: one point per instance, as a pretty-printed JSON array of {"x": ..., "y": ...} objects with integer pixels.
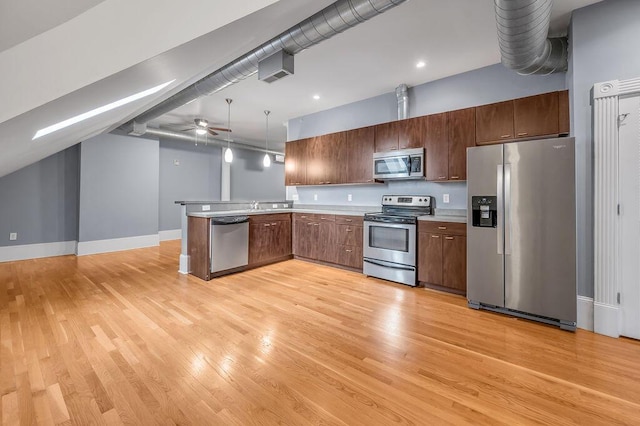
[
  {"x": 191, "y": 137},
  {"x": 523, "y": 30},
  {"x": 330, "y": 21},
  {"x": 402, "y": 93}
]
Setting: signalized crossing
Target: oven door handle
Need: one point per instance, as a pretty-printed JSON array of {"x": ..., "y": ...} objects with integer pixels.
[{"x": 384, "y": 265}]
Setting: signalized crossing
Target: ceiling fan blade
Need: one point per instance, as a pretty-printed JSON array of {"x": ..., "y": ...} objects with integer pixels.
[
  {"x": 221, "y": 129},
  {"x": 212, "y": 133}
]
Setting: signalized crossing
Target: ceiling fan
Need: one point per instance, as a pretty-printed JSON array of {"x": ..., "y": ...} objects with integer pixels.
[{"x": 200, "y": 126}]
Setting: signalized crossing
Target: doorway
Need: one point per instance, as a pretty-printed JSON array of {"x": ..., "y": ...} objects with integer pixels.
[{"x": 629, "y": 202}]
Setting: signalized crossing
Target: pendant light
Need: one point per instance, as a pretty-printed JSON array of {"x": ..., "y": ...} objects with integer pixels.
[
  {"x": 267, "y": 160},
  {"x": 228, "y": 154}
]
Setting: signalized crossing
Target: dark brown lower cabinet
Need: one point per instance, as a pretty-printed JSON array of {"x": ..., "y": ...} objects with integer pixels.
[
  {"x": 305, "y": 238},
  {"x": 349, "y": 241},
  {"x": 269, "y": 238},
  {"x": 442, "y": 256},
  {"x": 327, "y": 241}
]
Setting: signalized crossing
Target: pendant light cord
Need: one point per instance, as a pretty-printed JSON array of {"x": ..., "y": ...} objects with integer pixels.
[{"x": 266, "y": 140}]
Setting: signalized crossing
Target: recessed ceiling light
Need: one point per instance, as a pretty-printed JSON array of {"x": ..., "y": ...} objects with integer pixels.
[
  {"x": 78, "y": 118},
  {"x": 316, "y": 97},
  {"x": 421, "y": 64}
]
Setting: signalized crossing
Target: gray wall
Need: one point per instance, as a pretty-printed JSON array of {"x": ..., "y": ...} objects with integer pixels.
[
  {"x": 196, "y": 177},
  {"x": 604, "y": 47},
  {"x": 118, "y": 187},
  {"x": 482, "y": 86},
  {"x": 40, "y": 201},
  {"x": 250, "y": 180}
]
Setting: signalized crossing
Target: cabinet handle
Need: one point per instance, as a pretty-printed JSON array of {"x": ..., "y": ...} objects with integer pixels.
[
  {"x": 274, "y": 224},
  {"x": 448, "y": 238},
  {"x": 442, "y": 227},
  {"x": 442, "y": 177},
  {"x": 327, "y": 183},
  {"x": 435, "y": 236},
  {"x": 369, "y": 180},
  {"x": 505, "y": 136},
  {"x": 348, "y": 250},
  {"x": 523, "y": 134},
  {"x": 454, "y": 177},
  {"x": 316, "y": 224},
  {"x": 348, "y": 220},
  {"x": 266, "y": 224},
  {"x": 349, "y": 230},
  {"x": 303, "y": 217}
]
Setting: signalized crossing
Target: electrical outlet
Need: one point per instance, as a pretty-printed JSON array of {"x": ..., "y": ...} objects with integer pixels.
[
  {"x": 349, "y": 197},
  {"x": 274, "y": 206},
  {"x": 206, "y": 208},
  {"x": 315, "y": 197},
  {"x": 176, "y": 162},
  {"x": 445, "y": 198},
  {"x": 13, "y": 236}
]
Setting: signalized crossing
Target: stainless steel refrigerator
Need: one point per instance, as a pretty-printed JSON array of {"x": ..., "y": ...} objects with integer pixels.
[{"x": 521, "y": 230}]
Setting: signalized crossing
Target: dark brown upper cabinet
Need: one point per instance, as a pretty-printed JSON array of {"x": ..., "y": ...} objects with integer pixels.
[
  {"x": 462, "y": 135},
  {"x": 494, "y": 123},
  {"x": 386, "y": 137},
  {"x": 536, "y": 115},
  {"x": 411, "y": 133},
  {"x": 295, "y": 165},
  {"x": 327, "y": 159},
  {"x": 564, "y": 126},
  {"x": 436, "y": 147},
  {"x": 360, "y": 149}
]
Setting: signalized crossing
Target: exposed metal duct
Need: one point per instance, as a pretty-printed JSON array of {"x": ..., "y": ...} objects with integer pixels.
[
  {"x": 402, "y": 93},
  {"x": 523, "y": 30},
  {"x": 189, "y": 137},
  {"x": 330, "y": 21}
]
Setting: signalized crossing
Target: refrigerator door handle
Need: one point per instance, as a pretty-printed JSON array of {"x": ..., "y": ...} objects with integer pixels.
[
  {"x": 507, "y": 209},
  {"x": 500, "y": 206}
]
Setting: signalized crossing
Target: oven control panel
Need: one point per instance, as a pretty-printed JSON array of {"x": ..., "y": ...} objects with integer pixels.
[{"x": 407, "y": 200}]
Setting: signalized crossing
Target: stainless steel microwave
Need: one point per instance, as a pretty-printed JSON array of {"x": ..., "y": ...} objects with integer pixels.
[{"x": 403, "y": 164}]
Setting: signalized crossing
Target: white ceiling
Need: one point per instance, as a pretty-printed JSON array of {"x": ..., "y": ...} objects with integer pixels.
[
  {"x": 373, "y": 58},
  {"x": 117, "y": 48}
]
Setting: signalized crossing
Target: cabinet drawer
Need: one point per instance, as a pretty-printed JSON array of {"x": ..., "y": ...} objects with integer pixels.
[
  {"x": 325, "y": 217},
  {"x": 310, "y": 217},
  {"x": 349, "y": 235},
  {"x": 349, "y": 256},
  {"x": 451, "y": 228},
  {"x": 349, "y": 220},
  {"x": 269, "y": 217}
]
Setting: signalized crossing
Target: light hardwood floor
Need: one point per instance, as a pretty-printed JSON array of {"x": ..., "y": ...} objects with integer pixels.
[{"x": 123, "y": 338}]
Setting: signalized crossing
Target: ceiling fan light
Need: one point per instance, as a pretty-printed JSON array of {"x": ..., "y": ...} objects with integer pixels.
[
  {"x": 228, "y": 155},
  {"x": 266, "y": 161},
  {"x": 201, "y": 131},
  {"x": 202, "y": 122}
]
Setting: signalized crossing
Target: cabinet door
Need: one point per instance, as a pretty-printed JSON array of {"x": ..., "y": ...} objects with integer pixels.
[
  {"x": 536, "y": 115},
  {"x": 360, "y": 148},
  {"x": 315, "y": 160},
  {"x": 334, "y": 158},
  {"x": 494, "y": 123},
  {"x": 462, "y": 135},
  {"x": 437, "y": 147},
  {"x": 430, "y": 258},
  {"x": 454, "y": 266},
  {"x": 411, "y": 133},
  {"x": 295, "y": 163},
  {"x": 280, "y": 238},
  {"x": 306, "y": 236},
  {"x": 386, "y": 136},
  {"x": 564, "y": 126},
  {"x": 326, "y": 241}
]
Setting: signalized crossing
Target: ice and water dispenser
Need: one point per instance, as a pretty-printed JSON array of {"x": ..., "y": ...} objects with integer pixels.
[{"x": 484, "y": 211}]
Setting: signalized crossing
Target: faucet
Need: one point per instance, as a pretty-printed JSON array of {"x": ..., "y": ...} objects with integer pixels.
[{"x": 254, "y": 205}]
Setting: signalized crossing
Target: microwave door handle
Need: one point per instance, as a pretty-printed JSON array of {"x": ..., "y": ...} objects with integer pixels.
[{"x": 402, "y": 268}]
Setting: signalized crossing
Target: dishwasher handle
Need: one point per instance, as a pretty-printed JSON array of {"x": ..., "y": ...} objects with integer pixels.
[{"x": 229, "y": 220}]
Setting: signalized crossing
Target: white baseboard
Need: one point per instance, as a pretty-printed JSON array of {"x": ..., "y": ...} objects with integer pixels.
[
  {"x": 606, "y": 319},
  {"x": 35, "y": 251},
  {"x": 117, "y": 244},
  {"x": 173, "y": 234},
  {"x": 585, "y": 313}
]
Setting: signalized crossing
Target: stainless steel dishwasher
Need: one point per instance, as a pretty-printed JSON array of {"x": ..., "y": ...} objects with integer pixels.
[{"x": 229, "y": 242}]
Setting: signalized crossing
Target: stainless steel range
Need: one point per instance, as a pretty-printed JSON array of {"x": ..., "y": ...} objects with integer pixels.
[{"x": 390, "y": 238}]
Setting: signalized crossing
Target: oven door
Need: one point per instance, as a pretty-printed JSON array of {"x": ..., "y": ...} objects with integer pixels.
[
  {"x": 390, "y": 242},
  {"x": 392, "y": 167}
]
